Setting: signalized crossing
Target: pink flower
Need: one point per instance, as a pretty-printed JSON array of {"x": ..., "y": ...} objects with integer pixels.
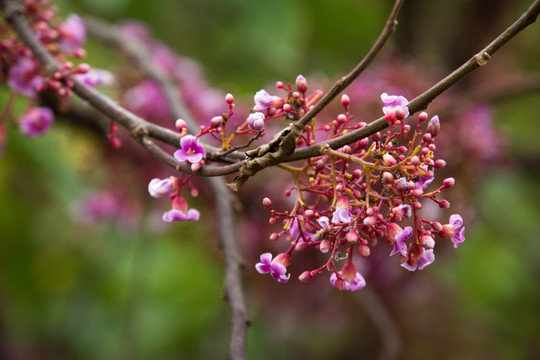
[
  {"x": 256, "y": 121},
  {"x": 395, "y": 107},
  {"x": 23, "y": 76},
  {"x": 180, "y": 211},
  {"x": 342, "y": 214},
  {"x": 96, "y": 77},
  {"x": 263, "y": 100},
  {"x": 179, "y": 215},
  {"x": 454, "y": 230},
  {"x": 276, "y": 267},
  {"x": 427, "y": 258},
  {"x": 160, "y": 188},
  {"x": 147, "y": 100},
  {"x": 72, "y": 33},
  {"x": 400, "y": 245},
  {"x": 356, "y": 284},
  {"x": 191, "y": 150},
  {"x": 36, "y": 121}
]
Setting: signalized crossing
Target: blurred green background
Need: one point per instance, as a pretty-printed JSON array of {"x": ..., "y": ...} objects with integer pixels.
[{"x": 140, "y": 291}]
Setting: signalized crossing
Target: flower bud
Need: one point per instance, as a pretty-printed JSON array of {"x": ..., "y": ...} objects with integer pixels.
[
  {"x": 267, "y": 203},
  {"x": 439, "y": 164},
  {"x": 449, "y": 182},
  {"x": 216, "y": 122},
  {"x": 340, "y": 284},
  {"x": 444, "y": 204},
  {"x": 352, "y": 236},
  {"x": 345, "y": 100},
  {"x": 422, "y": 116},
  {"x": 434, "y": 126},
  {"x": 229, "y": 99},
  {"x": 349, "y": 271},
  {"x": 283, "y": 259},
  {"x": 324, "y": 246},
  {"x": 388, "y": 160},
  {"x": 180, "y": 125},
  {"x": 256, "y": 121},
  {"x": 301, "y": 84},
  {"x": 364, "y": 250},
  {"x": 305, "y": 276}
]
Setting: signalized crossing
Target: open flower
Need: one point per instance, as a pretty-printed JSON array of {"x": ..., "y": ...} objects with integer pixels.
[
  {"x": 400, "y": 245},
  {"x": 263, "y": 100},
  {"x": 276, "y": 267},
  {"x": 395, "y": 107},
  {"x": 36, "y": 121},
  {"x": 356, "y": 284},
  {"x": 426, "y": 259},
  {"x": 342, "y": 215},
  {"x": 72, "y": 33},
  {"x": 454, "y": 230},
  {"x": 180, "y": 211},
  {"x": 191, "y": 150},
  {"x": 23, "y": 76}
]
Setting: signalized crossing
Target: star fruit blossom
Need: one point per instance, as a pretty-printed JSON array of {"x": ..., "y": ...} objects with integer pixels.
[
  {"x": 191, "y": 150},
  {"x": 72, "y": 33},
  {"x": 357, "y": 283},
  {"x": 400, "y": 247},
  {"x": 454, "y": 230},
  {"x": 395, "y": 107},
  {"x": 180, "y": 211},
  {"x": 36, "y": 121},
  {"x": 275, "y": 267},
  {"x": 263, "y": 100},
  {"x": 23, "y": 77}
]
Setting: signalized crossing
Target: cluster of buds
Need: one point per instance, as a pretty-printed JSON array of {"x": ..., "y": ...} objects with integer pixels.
[
  {"x": 349, "y": 199},
  {"x": 62, "y": 39}
]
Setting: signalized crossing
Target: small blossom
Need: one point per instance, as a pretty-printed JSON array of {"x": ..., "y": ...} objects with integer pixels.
[
  {"x": 403, "y": 210},
  {"x": 179, "y": 215},
  {"x": 426, "y": 177},
  {"x": 301, "y": 84},
  {"x": 324, "y": 222},
  {"x": 36, "y": 121},
  {"x": 425, "y": 260},
  {"x": 263, "y": 100},
  {"x": 191, "y": 150},
  {"x": 72, "y": 33},
  {"x": 256, "y": 121},
  {"x": 434, "y": 126},
  {"x": 395, "y": 107},
  {"x": 400, "y": 245},
  {"x": 356, "y": 284},
  {"x": 454, "y": 230},
  {"x": 23, "y": 76},
  {"x": 96, "y": 77},
  {"x": 342, "y": 214},
  {"x": 277, "y": 269},
  {"x": 160, "y": 188}
]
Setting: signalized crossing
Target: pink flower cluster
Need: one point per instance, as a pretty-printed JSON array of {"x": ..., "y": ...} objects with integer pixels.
[{"x": 349, "y": 199}]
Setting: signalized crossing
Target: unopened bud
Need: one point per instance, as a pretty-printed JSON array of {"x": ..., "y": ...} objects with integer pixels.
[
  {"x": 324, "y": 246},
  {"x": 439, "y": 163},
  {"x": 301, "y": 84},
  {"x": 305, "y": 276},
  {"x": 449, "y": 182},
  {"x": 345, "y": 100},
  {"x": 216, "y": 121},
  {"x": 388, "y": 160},
  {"x": 349, "y": 271},
  {"x": 422, "y": 116},
  {"x": 364, "y": 250},
  {"x": 267, "y": 203},
  {"x": 444, "y": 204},
  {"x": 229, "y": 99},
  {"x": 180, "y": 125},
  {"x": 434, "y": 126},
  {"x": 352, "y": 237}
]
